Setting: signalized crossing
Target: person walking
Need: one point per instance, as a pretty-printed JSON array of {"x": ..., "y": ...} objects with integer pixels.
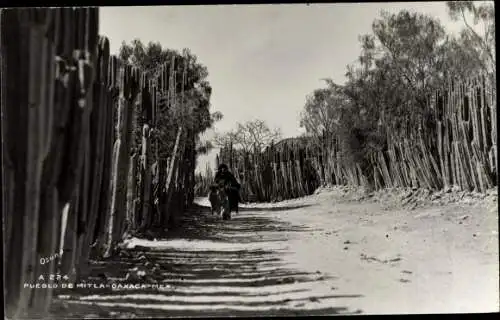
[{"x": 226, "y": 178}]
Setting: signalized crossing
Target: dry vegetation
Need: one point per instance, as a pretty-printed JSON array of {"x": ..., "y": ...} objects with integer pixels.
[{"x": 417, "y": 111}]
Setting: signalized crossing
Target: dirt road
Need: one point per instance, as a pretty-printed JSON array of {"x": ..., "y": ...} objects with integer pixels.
[{"x": 324, "y": 254}]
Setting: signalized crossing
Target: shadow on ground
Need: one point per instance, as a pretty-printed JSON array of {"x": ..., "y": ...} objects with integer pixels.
[
  {"x": 273, "y": 209},
  {"x": 200, "y": 224},
  {"x": 223, "y": 269}
]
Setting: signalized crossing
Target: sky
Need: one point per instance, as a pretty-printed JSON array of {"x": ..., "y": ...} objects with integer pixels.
[{"x": 263, "y": 60}]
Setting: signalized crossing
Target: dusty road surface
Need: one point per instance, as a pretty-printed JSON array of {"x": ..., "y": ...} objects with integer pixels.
[{"x": 330, "y": 253}]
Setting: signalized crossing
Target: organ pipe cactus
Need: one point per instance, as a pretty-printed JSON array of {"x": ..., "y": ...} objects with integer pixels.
[
  {"x": 61, "y": 91},
  {"x": 45, "y": 84},
  {"x": 146, "y": 213}
]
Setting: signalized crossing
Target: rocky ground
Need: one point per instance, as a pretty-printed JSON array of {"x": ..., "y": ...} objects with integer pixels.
[{"x": 339, "y": 251}]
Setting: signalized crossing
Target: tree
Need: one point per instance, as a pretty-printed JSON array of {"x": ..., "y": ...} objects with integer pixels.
[
  {"x": 189, "y": 108},
  {"x": 478, "y": 44},
  {"x": 400, "y": 65},
  {"x": 323, "y": 111},
  {"x": 249, "y": 136},
  {"x": 406, "y": 48},
  {"x": 226, "y": 139}
]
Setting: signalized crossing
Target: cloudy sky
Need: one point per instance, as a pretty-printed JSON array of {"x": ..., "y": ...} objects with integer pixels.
[{"x": 263, "y": 60}]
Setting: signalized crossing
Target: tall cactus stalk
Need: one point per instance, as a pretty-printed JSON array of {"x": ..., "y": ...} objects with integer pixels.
[
  {"x": 146, "y": 213},
  {"x": 14, "y": 126},
  {"x": 131, "y": 195},
  {"x": 98, "y": 122},
  {"x": 172, "y": 167},
  {"x": 128, "y": 93}
]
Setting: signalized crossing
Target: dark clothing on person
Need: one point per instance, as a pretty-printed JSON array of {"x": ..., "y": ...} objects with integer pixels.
[{"x": 227, "y": 179}]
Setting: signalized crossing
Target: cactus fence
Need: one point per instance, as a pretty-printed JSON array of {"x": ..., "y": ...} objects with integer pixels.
[
  {"x": 287, "y": 170},
  {"x": 72, "y": 184},
  {"x": 459, "y": 149}
]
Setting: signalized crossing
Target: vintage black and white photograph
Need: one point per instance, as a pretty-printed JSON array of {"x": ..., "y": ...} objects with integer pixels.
[{"x": 256, "y": 160}]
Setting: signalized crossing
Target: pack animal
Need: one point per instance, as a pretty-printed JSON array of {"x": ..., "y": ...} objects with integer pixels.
[
  {"x": 215, "y": 201},
  {"x": 219, "y": 201}
]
